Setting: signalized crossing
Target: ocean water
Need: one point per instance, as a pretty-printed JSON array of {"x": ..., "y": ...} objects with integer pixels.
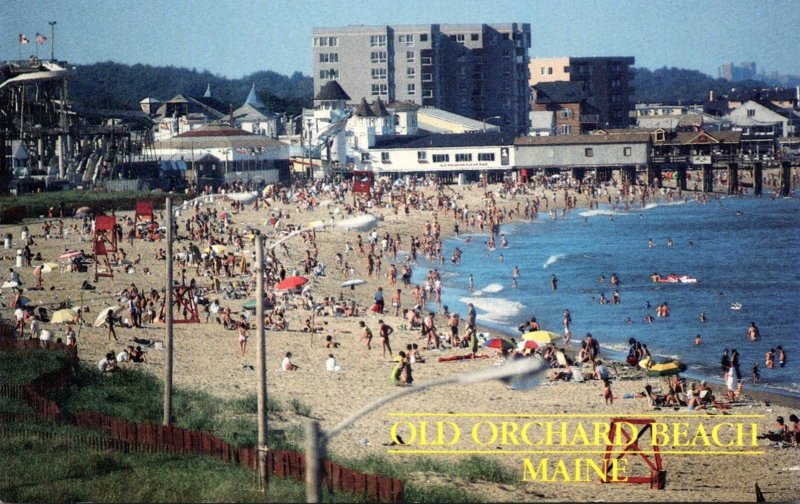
[{"x": 752, "y": 258}]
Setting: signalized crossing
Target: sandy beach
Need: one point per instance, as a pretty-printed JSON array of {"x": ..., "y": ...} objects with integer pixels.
[{"x": 206, "y": 356}]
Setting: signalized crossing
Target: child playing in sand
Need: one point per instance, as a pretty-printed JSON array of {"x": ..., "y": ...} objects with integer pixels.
[
  {"x": 607, "y": 395},
  {"x": 329, "y": 343}
]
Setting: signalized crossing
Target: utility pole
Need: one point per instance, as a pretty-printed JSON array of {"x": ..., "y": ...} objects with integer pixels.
[
  {"x": 261, "y": 357},
  {"x": 168, "y": 322},
  {"x": 52, "y": 40}
]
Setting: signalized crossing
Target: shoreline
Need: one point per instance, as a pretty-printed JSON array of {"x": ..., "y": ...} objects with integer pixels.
[{"x": 786, "y": 398}]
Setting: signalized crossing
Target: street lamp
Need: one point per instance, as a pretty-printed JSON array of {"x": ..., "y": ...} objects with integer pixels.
[
  {"x": 52, "y": 40},
  {"x": 518, "y": 371},
  {"x": 487, "y": 118}
]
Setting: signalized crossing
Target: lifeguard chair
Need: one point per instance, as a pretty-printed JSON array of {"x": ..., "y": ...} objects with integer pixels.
[
  {"x": 639, "y": 426},
  {"x": 184, "y": 306},
  {"x": 103, "y": 242},
  {"x": 362, "y": 186},
  {"x": 144, "y": 214}
]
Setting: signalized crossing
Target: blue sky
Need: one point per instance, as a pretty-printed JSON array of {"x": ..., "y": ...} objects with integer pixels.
[{"x": 236, "y": 37}]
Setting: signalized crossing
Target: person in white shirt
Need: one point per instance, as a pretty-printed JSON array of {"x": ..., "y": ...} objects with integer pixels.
[
  {"x": 124, "y": 356},
  {"x": 286, "y": 363},
  {"x": 331, "y": 365}
]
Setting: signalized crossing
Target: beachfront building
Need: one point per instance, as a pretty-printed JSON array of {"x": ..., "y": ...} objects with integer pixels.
[
  {"x": 233, "y": 154},
  {"x": 183, "y": 113},
  {"x": 474, "y": 70},
  {"x": 762, "y": 123},
  {"x": 607, "y": 82},
  {"x": 253, "y": 116},
  {"x": 595, "y": 156},
  {"x": 569, "y": 102},
  {"x": 452, "y": 157}
]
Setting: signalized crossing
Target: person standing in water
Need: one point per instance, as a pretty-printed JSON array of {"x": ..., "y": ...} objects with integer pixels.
[{"x": 554, "y": 282}]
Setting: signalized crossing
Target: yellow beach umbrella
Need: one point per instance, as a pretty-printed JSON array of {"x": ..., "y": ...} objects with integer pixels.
[
  {"x": 64, "y": 316},
  {"x": 543, "y": 337}
]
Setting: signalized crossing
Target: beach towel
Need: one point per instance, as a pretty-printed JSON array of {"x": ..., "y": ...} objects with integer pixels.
[{"x": 561, "y": 359}]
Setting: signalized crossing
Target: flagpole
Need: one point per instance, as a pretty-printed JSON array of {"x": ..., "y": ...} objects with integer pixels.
[{"x": 52, "y": 40}]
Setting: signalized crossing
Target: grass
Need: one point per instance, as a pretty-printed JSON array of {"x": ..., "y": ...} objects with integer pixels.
[
  {"x": 78, "y": 474},
  {"x": 19, "y": 367},
  {"x": 300, "y": 408},
  {"x": 471, "y": 469},
  {"x": 138, "y": 396},
  {"x": 38, "y": 203}
]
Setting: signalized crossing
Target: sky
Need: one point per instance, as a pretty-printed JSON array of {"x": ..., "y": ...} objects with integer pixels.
[{"x": 234, "y": 38}]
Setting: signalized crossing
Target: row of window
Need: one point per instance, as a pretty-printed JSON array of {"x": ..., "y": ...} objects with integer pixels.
[
  {"x": 411, "y": 89},
  {"x": 589, "y": 151},
  {"x": 445, "y": 158},
  {"x": 326, "y": 41}
]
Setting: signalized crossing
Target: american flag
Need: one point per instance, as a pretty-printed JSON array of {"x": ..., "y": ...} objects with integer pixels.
[
  {"x": 40, "y": 39},
  {"x": 23, "y": 39}
]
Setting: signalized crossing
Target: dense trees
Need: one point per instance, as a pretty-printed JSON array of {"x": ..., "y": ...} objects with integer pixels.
[
  {"x": 678, "y": 85},
  {"x": 115, "y": 85}
]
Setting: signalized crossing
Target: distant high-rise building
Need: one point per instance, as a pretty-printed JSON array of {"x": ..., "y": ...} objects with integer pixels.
[
  {"x": 731, "y": 72},
  {"x": 476, "y": 70},
  {"x": 607, "y": 82}
]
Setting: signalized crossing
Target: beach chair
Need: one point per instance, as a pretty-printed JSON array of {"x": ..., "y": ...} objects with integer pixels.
[{"x": 561, "y": 359}]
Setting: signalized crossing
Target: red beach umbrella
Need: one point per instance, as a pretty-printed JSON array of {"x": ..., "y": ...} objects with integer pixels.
[{"x": 291, "y": 282}]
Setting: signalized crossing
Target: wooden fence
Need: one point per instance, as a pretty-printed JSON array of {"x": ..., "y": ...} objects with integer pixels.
[{"x": 122, "y": 435}]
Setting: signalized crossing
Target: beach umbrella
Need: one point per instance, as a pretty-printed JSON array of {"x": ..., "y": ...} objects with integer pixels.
[
  {"x": 291, "y": 282},
  {"x": 316, "y": 224},
  {"x": 243, "y": 197},
  {"x": 49, "y": 267},
  {"x": 101, "y": 317},
  {"x": 64, "y": 316},
  {"x": 9, "y": 285},
  {"x": 353, "y": 283},
  {"x": 66, "y": 256},
  {"x": 219, "y": 249},
  {"x": 250, "y": 304},
  {"x": 500, "y": 344},
  {"x": 224, "y": 216},
  {"x": 360, "y": 223},
  {"x": 527, "y": 345},
  {"x": 541, "y": 337}
]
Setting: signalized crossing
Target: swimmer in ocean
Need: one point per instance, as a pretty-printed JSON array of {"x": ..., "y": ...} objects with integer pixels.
[
  {"x": 503, "y": 241},
  {"x": 697, "y": 340},
  {"x": 648, "y": 318},
  {"x": 501, "y": 258},
  {"x": 514, "y": 276},
  {"x": 471, "y": 282},
  {"x": 650, "y": 243},
  {"x": 690, "y": 244},
  {"x": 703, "y": 317},
  {"x": 554, "y": 282},
  {"x": 669, "y": 242}
]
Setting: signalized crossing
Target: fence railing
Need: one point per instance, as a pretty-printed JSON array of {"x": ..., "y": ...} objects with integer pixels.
[{"x": 122, "y": 435}]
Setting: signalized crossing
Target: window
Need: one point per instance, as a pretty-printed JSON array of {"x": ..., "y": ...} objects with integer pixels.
[
  {"x": 379, "y": 73},
  {"x": 320, "y": 41},
  {"x": 458, "y": 37},
  {"x": 549, "y": 70},
  {"x": 626, "y": 151},
  {"x": 427, "y": 93},
  {"x": 380, "y": 89},
  {"x": 565, "y": 113},
  {"x": 486, "y": 156},
  {"x": 385, "y": 157},
  {"x": 425, "y": 60},
  {"x": 463, "y": 158},
  {"x": 333, "y": 41},
  {"x": 751, "y": 112},
  {"x": 378, "y": 57},
  {"x": 541, "y": 71},
  {"x": 441, "y": 158},
  {"x": 329, "y": 57},
  {"x": 589, "y": 152},
  {"x": 410, "y": 56},
  {"x": 412, "y": 89},
  {"x": 377, "y": 41},
  {"x": 474, "y": 37},
  {"x": 411, "y": 72},
  {"x": 565, "y": 129},
  {"x": 406, "y": 39},
  {"x": 422, "y": 157},
  {"x": 329, "y": 74},
  {"x": 427, "y": 77},
  {"x": 423, "y": 37}
]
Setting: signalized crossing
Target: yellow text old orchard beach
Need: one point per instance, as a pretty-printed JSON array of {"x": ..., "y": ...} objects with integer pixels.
[{"x": 581, "y": 437}]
